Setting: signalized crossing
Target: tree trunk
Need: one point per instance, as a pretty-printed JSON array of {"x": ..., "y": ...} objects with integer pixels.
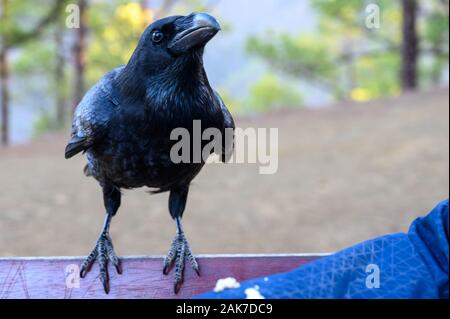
[
  {"x": 409, "y": 46},
  {"x": 350, "y": 68},
  {"x": 4, "y": 82},
  {"x": 80, "y": 55},
  {"x": 60, "y": 101},
  {"x": 4, "y": 93}
]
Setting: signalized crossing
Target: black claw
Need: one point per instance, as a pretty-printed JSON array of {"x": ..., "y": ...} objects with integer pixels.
[
  {"x": 119, "y": 268},
  {"x": 84, "y": 270},
  {"x": 105, "y": 282},
  {"x": 168, "y": 267},
  {"x": 177, "y": 287},
  {"x": 106, "y": 286},
  {"x": 166, "y": 270},
  {"x": 197, "y": 271}
]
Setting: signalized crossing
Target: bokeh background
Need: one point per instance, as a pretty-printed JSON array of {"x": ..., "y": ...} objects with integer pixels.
[{"x": 360, "y": 100}]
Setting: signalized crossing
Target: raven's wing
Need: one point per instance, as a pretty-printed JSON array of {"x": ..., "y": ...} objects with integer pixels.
[
  {"x": 93, "y": 114},
  {"x": 228, "y": 136}
]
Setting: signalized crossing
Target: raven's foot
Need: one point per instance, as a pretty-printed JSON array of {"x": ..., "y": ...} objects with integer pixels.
[
  {"x": 179, "y": 251},
  {"x": 102, "y": 252}
]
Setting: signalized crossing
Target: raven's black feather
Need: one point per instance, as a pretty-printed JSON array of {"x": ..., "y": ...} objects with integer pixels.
[{"x": 75, "y": 146}]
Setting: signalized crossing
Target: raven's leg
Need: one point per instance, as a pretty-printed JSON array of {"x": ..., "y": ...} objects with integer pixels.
[
  {"x": 104, "y": 250},
  {"x": 179, "y": 250}
]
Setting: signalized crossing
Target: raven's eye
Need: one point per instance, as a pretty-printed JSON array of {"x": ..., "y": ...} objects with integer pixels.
[{"x": 157, "y": 36}]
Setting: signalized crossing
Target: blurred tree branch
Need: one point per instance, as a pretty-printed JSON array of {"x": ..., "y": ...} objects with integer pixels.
[
  {"x": 79, "y": 55},
  {"x": 12, "y": 35},
  {"x": 17, "y": 36},
  {"x": 410, "y": 45},
  {"x": 4, "y": 79}
]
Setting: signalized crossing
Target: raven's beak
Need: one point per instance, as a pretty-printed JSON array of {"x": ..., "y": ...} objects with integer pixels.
[{"x": 200, "y": 28}]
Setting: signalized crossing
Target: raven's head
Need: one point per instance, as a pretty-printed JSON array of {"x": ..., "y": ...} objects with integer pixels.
[{"x": 173, "y": 40}]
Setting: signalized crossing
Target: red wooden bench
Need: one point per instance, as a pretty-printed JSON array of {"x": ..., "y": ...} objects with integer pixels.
[{"x": 57, "y": 277}]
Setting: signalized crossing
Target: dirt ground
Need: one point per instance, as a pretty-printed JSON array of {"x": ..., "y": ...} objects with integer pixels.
[{"x": 346, "y": 173}]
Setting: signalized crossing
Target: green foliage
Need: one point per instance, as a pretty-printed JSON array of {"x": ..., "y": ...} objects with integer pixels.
[
  {"x": 435, "y": 39},
  {"x": 45, "y": 123},
  {"x": 348, "y": 18},
  {"x": 355, "y": 73},
  {"x": 34, "y": 57},
  {"x": 297, "y": 56},
  {"x": 435, "y": 30},
  {"x": 24, "y": 26},
  {"x": 25, "y": 20},
  {"x": 348, "y": 59},
  {"x": 271, "y": 93},
  {"x": 115, "y": 31},
  {"x": 377, "y": 76}
]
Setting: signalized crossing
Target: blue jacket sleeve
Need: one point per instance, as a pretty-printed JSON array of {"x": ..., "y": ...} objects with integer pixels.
[{"x": 412, "y": 265}]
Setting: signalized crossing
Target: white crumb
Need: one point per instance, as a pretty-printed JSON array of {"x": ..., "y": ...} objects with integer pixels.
[
  {"x": 226, "y": 283},
  {"x": 253, "y": 293},
  {"x": 266, "y": 278}
]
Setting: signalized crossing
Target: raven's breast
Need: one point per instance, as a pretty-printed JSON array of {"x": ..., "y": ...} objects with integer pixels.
[
  {"x": 129, "y": 164},
  {"x": 137, "y": 150}
]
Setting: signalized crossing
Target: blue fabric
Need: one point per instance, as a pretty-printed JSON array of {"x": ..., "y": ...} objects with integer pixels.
[{"x": 412, "y": 265}]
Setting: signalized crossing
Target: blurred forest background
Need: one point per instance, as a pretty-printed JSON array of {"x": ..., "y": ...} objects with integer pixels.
[
  {"x": 360, "y": 99},
  {"x": 291, "y": 53}
]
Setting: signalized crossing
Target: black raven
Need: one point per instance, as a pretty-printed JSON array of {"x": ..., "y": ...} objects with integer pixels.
[{"x": 123, "y": 123}]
